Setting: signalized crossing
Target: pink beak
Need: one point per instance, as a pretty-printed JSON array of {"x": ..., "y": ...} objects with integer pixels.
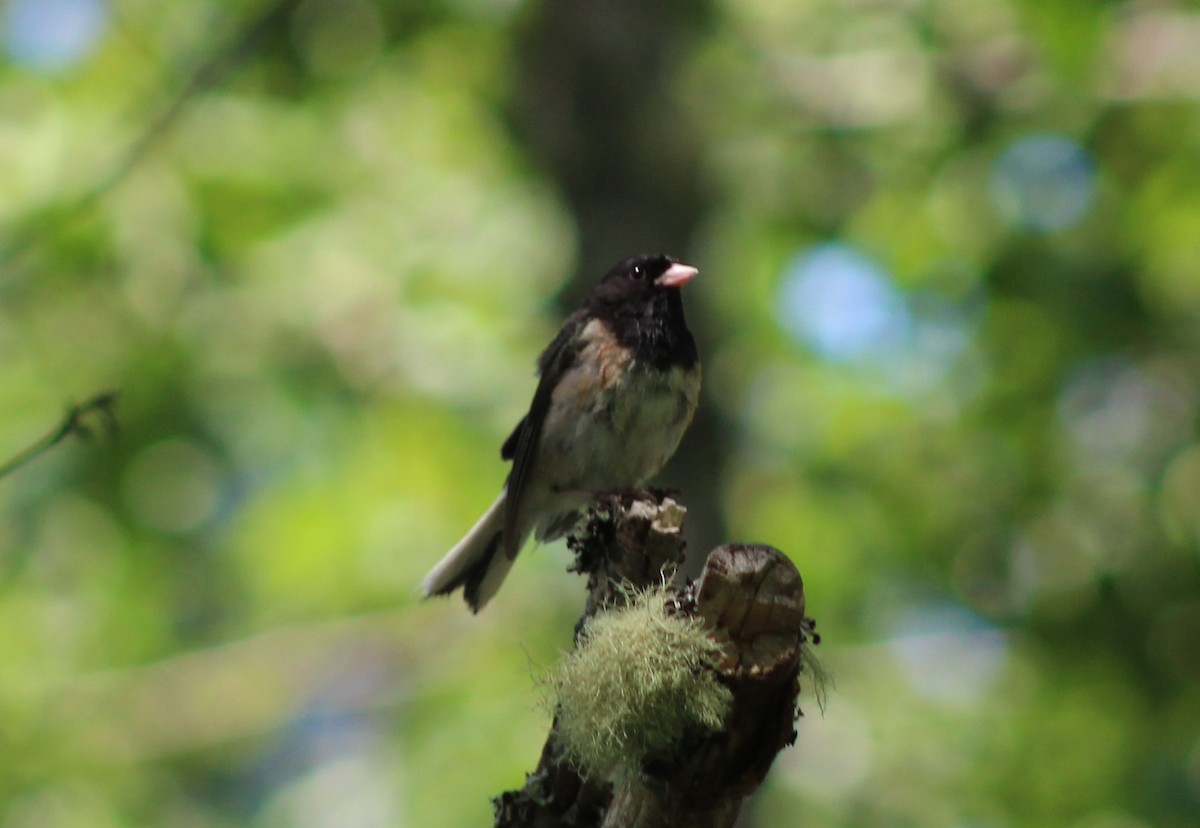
[{"x": 677, "y": 275}]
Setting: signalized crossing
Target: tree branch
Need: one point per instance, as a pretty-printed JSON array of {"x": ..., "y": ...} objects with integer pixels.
[
  {"x": 75, "y": 422},
  {"x": 750, "y": 600}
]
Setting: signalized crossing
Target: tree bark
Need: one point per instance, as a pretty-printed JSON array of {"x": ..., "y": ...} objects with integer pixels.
[{"x": 751, "y": 598}]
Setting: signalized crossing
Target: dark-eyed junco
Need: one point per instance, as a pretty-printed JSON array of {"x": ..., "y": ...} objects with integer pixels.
[{"x": 618, "y": 386}]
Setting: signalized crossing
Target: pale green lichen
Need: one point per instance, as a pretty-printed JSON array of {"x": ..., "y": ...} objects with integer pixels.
[{"x": 637, "y": 683}]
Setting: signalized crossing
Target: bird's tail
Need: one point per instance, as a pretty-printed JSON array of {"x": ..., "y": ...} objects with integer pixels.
[{"x": 477, "y": 563}]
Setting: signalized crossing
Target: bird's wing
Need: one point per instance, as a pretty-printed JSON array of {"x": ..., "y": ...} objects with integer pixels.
[{"x": 521, "y": 446}]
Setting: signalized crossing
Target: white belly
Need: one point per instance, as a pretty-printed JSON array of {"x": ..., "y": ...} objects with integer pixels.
[{"x": 623, "y": 436}]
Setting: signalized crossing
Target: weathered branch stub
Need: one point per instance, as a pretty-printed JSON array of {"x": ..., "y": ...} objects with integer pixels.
[{"x": 752, "y": 599}]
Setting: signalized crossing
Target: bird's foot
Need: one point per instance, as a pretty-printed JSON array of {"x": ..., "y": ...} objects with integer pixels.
[{"x": 624, "y": 495}]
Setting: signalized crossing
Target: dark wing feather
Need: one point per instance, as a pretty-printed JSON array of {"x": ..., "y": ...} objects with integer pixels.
[
  {"x": 521, "y": 446},
  {"x": 509, "y": 449}
]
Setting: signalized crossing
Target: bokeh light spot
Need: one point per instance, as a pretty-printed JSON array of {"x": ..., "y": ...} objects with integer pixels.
[
  {"x": 1043, "y": 182},
  {"x": 172, "y": 486},
  {"x": 948, "y": 653},
  {"x": 841, "y": 303},
  {"x": 52, "y": 34},
  {"x": 1116, "y": 412},
  {"x": 840, "y": 751},
  {"x": 1179, "y": 496},
  {"x": 1105, "y": 408},
  {"x": 338, "y": 39}
]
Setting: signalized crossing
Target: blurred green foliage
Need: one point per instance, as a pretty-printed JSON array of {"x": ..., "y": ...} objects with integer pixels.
[{"x": 948, "y": 312}]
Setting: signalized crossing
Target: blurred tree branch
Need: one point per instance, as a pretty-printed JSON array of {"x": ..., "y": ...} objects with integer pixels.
[
  {"x": 76, "y": 421},
  {"x": 39, "y": 224},
  {"x": 144, "y": 712}
]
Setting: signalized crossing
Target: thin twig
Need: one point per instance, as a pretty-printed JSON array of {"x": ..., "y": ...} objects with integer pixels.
[{"x": 75, "y": 422}]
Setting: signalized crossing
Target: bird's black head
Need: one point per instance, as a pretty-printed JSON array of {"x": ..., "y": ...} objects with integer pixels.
[
  {"x": 640, "y": 300},
  {"x": 640, "y": 280}
]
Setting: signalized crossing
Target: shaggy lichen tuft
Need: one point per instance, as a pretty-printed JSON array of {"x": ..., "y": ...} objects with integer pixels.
[{"x": 637, "y": 683}]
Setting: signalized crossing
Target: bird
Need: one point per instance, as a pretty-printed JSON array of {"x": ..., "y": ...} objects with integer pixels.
[{"x": 617, "y": 388}]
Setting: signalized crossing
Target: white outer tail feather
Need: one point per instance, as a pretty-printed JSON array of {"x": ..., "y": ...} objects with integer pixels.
[{"x": 468, "y": 551}]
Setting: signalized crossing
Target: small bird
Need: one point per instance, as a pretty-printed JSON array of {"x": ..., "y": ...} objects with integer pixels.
[{"x": 617, "y": 388}]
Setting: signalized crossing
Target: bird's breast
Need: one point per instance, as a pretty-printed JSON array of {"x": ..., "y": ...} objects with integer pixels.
[{"x": 614, "y": 420}]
